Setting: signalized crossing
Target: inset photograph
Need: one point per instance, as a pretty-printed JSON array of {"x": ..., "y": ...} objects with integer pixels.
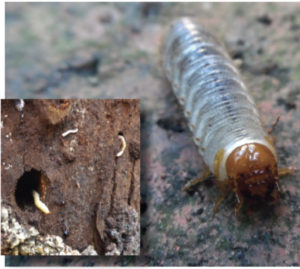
[{"x": 70, "y": 177}]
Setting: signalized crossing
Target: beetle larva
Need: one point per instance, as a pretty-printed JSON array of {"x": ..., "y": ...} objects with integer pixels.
[{"x": 222, "y": 115}]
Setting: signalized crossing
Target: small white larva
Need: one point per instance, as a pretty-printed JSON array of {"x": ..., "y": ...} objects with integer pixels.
[
  {"x": 120, "y": 153},
  {"x": 72, "y": 131},
  {"x": 222, "y": 115},
  {"x": 38, "y": 203}
]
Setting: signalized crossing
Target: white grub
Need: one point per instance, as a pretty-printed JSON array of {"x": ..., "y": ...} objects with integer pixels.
[
  {"x": 120, "y": 153},
  {"x": 206, "y": 105},
  {"x": 20, "y": 105},
  {"x": 72, "y": 131},
  {"x": 38, "y": 203}
]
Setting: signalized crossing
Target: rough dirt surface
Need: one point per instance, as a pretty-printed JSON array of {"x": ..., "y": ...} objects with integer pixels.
[
  {"x": 111, "y": 50},
  {"x": 93, "y": 195}
]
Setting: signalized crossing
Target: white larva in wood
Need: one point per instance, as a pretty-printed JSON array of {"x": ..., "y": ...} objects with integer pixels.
[
  {"x": 38, "y": 203},
  {"x": 221, "y": 112},
  {"x": 72, "y": 131},
  {"x": 120, "y": 153}
]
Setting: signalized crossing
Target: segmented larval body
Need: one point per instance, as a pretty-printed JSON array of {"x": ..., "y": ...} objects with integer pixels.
[{"x": 221, "y": 113}]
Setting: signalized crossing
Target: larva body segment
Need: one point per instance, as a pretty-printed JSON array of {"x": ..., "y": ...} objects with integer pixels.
[
  {"x": 221, "y": 113},
  {"x": 38, "y": 203}
]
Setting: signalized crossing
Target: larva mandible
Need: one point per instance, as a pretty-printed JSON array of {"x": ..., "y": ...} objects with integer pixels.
[{"x": 221, "y": 112}]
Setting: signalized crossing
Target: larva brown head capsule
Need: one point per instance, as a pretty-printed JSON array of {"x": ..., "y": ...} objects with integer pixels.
[{"x": 252, "y": 172}]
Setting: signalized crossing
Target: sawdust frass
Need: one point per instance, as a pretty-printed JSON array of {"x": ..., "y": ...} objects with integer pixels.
[{"x": 92, "y": 195}]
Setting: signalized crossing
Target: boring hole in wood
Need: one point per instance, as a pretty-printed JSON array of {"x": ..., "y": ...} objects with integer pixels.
[{"x": 28, "y": 182}]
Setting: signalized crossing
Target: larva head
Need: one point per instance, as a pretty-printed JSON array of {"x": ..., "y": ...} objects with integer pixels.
[{"x": 252, "y": 171}]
